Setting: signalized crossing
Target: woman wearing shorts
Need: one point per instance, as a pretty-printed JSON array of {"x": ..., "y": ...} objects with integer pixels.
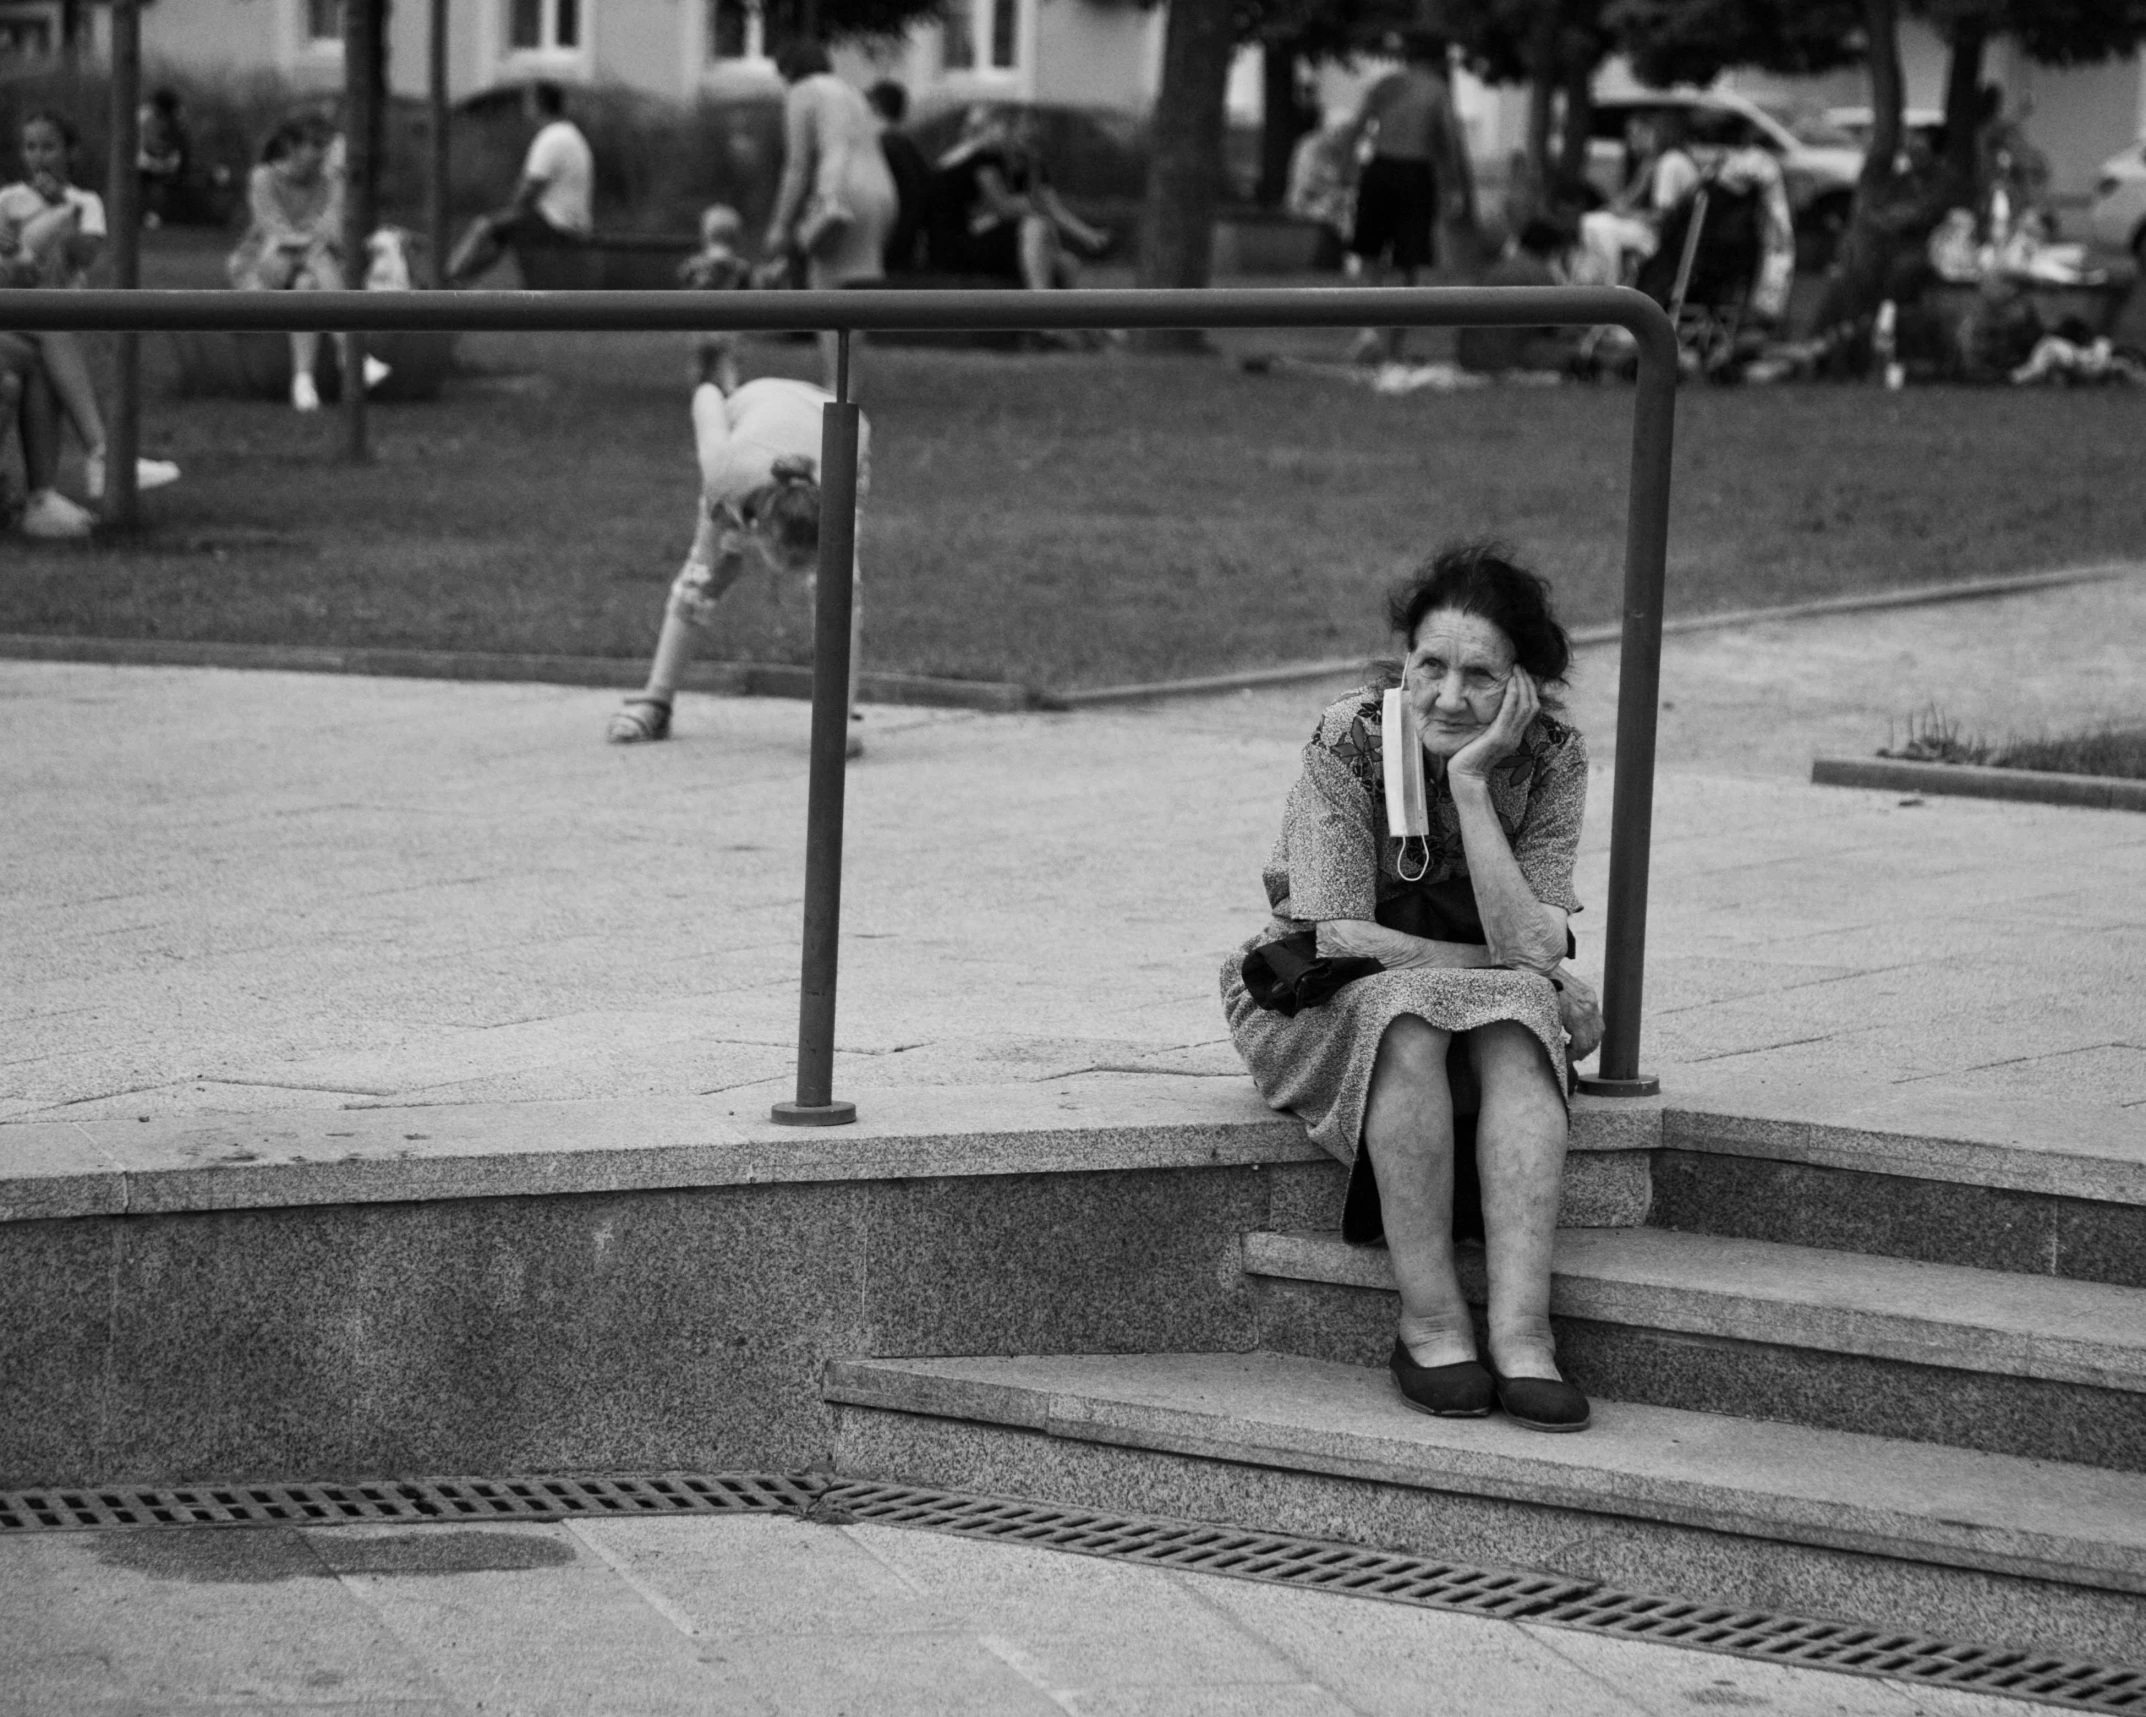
[{"x": 1416, "y": 174}]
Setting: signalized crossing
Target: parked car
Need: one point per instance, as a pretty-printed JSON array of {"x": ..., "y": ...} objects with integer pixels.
[
  {"x": 1853, "y": 126},
  {"x": 1821, "y": 175},
  {"x": 2117, "y": 216}
]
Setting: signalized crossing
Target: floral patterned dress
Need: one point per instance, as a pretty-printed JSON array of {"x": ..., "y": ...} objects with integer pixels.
[{"x": 1335, "y": 860}]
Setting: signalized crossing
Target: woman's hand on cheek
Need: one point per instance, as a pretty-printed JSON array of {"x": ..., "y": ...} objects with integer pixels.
[{"x": 1501, "y": 738}]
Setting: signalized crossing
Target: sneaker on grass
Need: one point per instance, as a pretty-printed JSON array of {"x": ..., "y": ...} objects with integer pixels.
[
  {"x": 148, "y": 474},
  {"x": 51, "y": 515},
  {"x": 376, "y": 372},
  {"x": 305, "y": 392}
]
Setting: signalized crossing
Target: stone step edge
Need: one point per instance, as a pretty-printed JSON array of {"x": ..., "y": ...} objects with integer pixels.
[
  {"x": 2059, "y": 1169},
  {"x": 1587, "y": 1282},
  {"x": 397, "y": 1153},
  {"x": 1986, "y": 1523}
]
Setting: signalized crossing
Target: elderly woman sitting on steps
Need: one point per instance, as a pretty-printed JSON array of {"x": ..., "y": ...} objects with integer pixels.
[{"x": 1412, "y": 977}]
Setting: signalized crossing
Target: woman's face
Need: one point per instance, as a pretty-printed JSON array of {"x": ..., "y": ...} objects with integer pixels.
[
  {"x": 1455, "y": 677},
  {"x": 44, "y": 153},
  {"x": 305, "y": 160}
]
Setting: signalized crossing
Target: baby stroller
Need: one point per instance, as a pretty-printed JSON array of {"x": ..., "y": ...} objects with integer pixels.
[{"x": 1706, "y": 272}]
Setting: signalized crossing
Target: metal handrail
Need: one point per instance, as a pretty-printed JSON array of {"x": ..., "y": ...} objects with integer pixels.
[{"x": 876, "y": 310}]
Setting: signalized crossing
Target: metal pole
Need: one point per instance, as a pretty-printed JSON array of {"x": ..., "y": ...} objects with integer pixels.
[
  {"x": 1639, "y": 688},
  {"x": 816, "y": 1104},
  {"x": 436, "y": 209},
  {"x": 361, "y": 76},
  {"x": 123, "y": 216}
]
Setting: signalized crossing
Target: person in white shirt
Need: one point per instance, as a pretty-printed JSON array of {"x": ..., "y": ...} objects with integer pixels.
[
  {"x": 553, "y": 204},
  {"x": 758, "y": 449},
  {"x": 51, "y": 233}
]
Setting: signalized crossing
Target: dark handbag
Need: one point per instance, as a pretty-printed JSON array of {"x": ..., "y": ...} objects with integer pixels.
[{"x": 1286, "y": 975}]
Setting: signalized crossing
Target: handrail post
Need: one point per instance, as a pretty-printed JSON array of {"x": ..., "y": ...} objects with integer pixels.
[
  {"x": 1639, "y": 685},
  {"x": 816, "y": 1104}
]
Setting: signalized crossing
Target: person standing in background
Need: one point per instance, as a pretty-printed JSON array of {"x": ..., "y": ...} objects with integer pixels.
[
  {"x": 1416, "y": 176},
  {"x": 910, "y": 171},
  {"x": 163, "y": 160},
  {"x": 554, "y": 202},
  {"x": 837, "y": 203}
]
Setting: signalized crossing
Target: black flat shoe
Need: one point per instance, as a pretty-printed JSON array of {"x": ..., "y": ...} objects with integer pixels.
[
  {"x": 1543, "y": 1404},
  {"x": 1463, "y": 1391}
]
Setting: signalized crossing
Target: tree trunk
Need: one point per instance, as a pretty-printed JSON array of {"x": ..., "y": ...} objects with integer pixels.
[
  {"x": 1542, "y": 90},
  {"x": 438, "y": 204},
  {"x": 1185, "y": 169},
  {"x": 1881, "y": 22},
  {"x": 1282, "y": 118},
  {"x": 1963, "y": 104},
  {"x": 1890, "y": 209},
  {"x": 1579, "y": 84}
]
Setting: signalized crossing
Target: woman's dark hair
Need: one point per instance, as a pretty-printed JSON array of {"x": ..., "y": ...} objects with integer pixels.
[
  {"x": 801, "y": 59},
  {"x": 70, "y": 138},
  {"x": 1483, "y": 578},
  {"x": 298, "y": 129},
  {"x": 889, "y": 100}
]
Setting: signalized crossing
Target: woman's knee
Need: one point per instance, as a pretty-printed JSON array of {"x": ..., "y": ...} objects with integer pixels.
[
  {"x": 1514, "y": 1070},
  {"x": 1412, "y": 1051}
]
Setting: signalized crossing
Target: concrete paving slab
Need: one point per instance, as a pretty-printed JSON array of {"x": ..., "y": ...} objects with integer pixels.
[{"x": 690, "y": 1614}]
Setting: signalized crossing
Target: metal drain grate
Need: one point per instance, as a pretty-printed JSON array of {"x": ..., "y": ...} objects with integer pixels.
[
  {"x": 1276, "y": 1558},
  {"x": 411, "y": 1501}
]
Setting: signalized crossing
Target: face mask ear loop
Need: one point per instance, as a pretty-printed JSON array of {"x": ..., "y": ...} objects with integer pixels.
[{"x": 1400, "y": 863}]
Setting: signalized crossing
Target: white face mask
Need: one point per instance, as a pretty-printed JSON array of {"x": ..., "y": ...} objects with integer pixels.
[{"x": 1408, "y": 816}]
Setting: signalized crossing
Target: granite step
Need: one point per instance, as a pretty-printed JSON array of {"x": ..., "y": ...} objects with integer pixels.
[
  {"x": 1989, "y": 1548},
  {"x": 1992, "y": 1185},
  {"x": 1938, "y": 1353}
]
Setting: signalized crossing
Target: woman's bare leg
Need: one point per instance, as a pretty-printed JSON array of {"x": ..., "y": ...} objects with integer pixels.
[
  {"x": 305, "y": 353},
  {"x": 67, "y": 368},
  {"x": 1520, "y": 1149},
  {"x": 1408, "y": 1128},
  {"x": 40, "y": 420}
]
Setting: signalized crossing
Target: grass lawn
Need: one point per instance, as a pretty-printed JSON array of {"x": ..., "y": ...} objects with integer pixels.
[{"x": 1064, "y": 520}]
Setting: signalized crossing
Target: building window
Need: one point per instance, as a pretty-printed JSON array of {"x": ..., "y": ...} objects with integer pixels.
[
  {"x": 544, "y": 26},
  {"x": 28, "y": 33},
  {"x": 737, "y": 30},
  {"x": 324, "y": 21},
  {"x": 980, "y": 34}
]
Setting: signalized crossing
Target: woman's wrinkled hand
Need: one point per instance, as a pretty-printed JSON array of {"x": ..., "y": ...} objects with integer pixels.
[
  {"x": 1580, "y": 1010},
  {"x": 1520, "y": 705}
]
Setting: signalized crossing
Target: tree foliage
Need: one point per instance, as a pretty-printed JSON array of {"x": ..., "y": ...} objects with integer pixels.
[{"x": 1695, "y": 41}]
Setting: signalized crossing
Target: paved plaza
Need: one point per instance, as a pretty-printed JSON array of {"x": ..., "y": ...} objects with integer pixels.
[
  {"x": 240, "y": 892},
  {"x": 232, "y": 893}
]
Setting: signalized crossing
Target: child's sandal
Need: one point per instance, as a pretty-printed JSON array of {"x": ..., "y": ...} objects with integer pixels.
[{"x": 642, "y": 719}]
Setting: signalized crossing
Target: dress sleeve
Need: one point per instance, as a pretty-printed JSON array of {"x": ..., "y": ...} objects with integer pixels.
[
  {"x": 1547, "y": 843},
  {"x": 1333, "y": 848}
]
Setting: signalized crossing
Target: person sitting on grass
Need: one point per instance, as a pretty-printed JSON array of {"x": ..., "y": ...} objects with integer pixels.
[
  {"x": 553, "y": 203},
  {"x": 998, "y": 214},
  {"x": 51, "y": 233},
  {"x": 759, "y": 450},
  {"x": 28, "y": 408},
  {"x": 717, "y": 267},
  {"x": 295, "y": 240}
]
